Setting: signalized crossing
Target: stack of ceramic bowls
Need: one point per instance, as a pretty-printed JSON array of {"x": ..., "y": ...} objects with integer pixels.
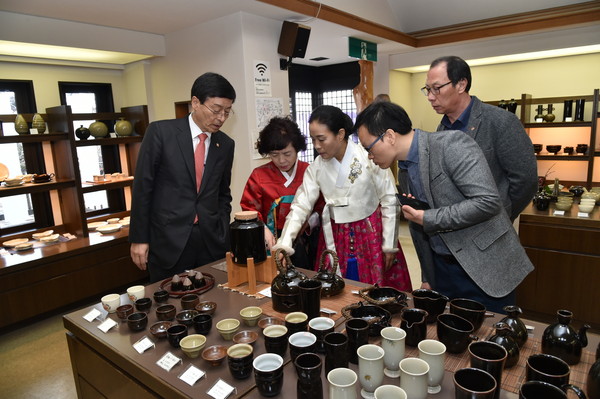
[
  {"x": 586, "y": 205},
  {"x": 564, "y": 203}
]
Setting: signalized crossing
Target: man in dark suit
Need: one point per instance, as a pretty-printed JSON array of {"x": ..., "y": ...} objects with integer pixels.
[
  {"x": 181, "y": 201},
  {"x": 465, "y": 240}
]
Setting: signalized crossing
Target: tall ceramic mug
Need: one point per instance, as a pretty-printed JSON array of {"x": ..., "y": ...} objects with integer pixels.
[
  {"x": 491, "y": 357},
  {"x": 390, "y": 392},
  {"x": 392, "y": 342},
  {"x": 472, "y": 383},
  {"x": 310, "y": 297},
  {"x": 434, "y": 353},
  {"x": 413, "y": 377},
  {"x": 342, "y": 383},
  {"x": 370, "y": 369}
]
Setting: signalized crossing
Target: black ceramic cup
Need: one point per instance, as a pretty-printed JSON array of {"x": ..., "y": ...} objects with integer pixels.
[
  {"x": 239, "y": 359},
  {"x": 471, "y": 310},
  {"x": 296, "y": 321},
  {"x": 358, "y": 335},
  {"x": 186, "y": 317},
  {"x": 202, "y": 323},
  {"x": 472, "y": 383},
  {"x": 302, "y": 342},
  {"x": 309, "y": 385},
  {"x": 143, "y": 304},
  {"x": 414, "y": 322},
  {"x": 336, "y": 351},
  {"x": 276, "y": 339},
  {"x": 490, "y": 357},
  {"x": 176, "y": 333},
  {"x": 547, "y": 368},
  {"x": 189, "y": 301},
  {"x": 310, "y": 297},
  {"x": 321, "y": 326},
  {"x": 268, "y": 374},
  {"x": 161, "y": 296},
  {"x": 540, "y": 389},
  {"x": 454, "y": 332},
  {"x": 166, "y": 312},
  {"x": 137, "y": 321},
  {"x": 431, "y": 301}
]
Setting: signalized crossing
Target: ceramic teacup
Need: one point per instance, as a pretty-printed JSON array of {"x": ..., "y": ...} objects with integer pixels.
[{"x": 111, "y": 302}]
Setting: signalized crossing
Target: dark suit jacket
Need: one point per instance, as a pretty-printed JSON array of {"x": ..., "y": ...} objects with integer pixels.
[
  {"x": 467, "y": 214},
  {"x": 165, "y": 200}
]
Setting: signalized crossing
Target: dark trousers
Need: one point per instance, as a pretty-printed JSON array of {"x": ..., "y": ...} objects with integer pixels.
[
  {"x": 452, "y": 281},
  {"x": 194, "y": 255}
]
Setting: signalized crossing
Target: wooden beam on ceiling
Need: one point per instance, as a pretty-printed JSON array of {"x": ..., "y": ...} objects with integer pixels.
[{"x": 572, "y": 15}]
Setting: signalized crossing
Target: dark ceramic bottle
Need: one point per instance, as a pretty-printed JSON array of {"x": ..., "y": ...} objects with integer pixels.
[
  {"x": 513, "y": 312},
  {"x": 549, "y": 117},
  {"x": 247, "y": 238},
  {"x": 504, "y": 337},
  {"x": 561, "y": 340},
  {"x": 512, "y": 106},
  {"x": 82, "y": 133}
]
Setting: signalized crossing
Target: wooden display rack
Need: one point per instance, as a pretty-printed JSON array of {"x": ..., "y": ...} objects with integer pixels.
[{"x": 251, "y": 273}]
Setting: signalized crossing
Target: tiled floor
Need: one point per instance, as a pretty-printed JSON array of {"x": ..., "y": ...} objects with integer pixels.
[{"x": 34, "y": 360}]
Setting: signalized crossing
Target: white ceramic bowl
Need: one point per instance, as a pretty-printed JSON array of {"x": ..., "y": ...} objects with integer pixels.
[
  {"x": 109, "y": 228},
  {"x": 50, "y": 238},
  {"x": 37, "y": 236},
  {"x": 192, "y": 345},
  {"x": 586, "y": 208}
]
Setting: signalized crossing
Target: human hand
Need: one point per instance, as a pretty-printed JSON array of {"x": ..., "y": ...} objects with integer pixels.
[
  {"x": 413, "y": 215},
  {"x": 139, "y": 254},
  {"x": 269, "y": 238},
  {"x": 425, "y": 285},
  {"x": 390, "y": 258}
]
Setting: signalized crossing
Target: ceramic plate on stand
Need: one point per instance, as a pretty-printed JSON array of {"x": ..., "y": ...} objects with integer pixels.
[
  {"x": 15, "y": 242},
  {"x": 3, "y": 172}
]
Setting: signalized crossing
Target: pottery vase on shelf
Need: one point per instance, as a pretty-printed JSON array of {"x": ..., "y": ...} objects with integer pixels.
[
  {"x": 568, "y": 111},
  {"x": 513, "y": 321},
  {"x": 21, "y": 125},
  {"x": 123, "y": 127},
  {"x": 502, "y": 104},
  {"x": 82, "y": 133},
  {"x": 98, "y": 129},
  {"x": 539, "y": 117},
  {"x": 512, "y": 106},
  {"x": 38, "y": 123},
  {"x": 504, "y": 337},
  {"x": 549, "y": 117},
  {"x": 579, "y": 108},
  {"x": 561, "y": 340}
]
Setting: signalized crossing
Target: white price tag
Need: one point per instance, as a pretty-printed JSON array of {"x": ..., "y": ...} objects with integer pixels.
[
  {"x": 266, "y": 292},
  {"x": 92, "y": 315},
  {"x": 559, "y": 213},
  {"x": 107, "y": 325},
  {"x": 143, "y": 345},
  {"x": 168, "y": 361},
  {"x": 191, "y": 375},
  {"x": 583, "y": 215},
  {"x": 220, "y": 390}
]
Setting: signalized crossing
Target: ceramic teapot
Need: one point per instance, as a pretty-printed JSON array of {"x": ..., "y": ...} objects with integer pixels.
[
  {"x": 331, "y": 283},
  {"x": 504, "y": 338},
  {"x": 561, "y": 340},
  {"x": 519, "y": 331},
  {"x": 388, "y": 298},
  {"x": 285, "y": 292}
]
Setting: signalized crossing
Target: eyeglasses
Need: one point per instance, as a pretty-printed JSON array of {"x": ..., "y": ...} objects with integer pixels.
[
  {"x": 435, "y": 90},
  {"x": 368, "y": 149},
  {"x": 224, "y": 112}
]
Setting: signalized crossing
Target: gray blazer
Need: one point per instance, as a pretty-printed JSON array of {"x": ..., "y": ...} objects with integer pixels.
[
  {"x": 509, "y": 154},
  {"x": 467, "y": 214}
]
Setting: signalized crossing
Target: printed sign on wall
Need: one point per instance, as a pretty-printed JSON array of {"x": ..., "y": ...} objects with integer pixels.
[{"x": 262, "y": 79}]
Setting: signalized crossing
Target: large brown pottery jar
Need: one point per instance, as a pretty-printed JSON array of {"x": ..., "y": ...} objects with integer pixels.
[{"x": 561, "y": 340}]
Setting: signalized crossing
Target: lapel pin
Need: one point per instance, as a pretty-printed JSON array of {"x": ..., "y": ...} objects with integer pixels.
[{"x": 218, "y": 145}]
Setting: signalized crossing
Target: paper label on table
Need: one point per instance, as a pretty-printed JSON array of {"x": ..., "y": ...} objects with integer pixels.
[
  {"x": 266, "y": 292},
  {"x": 559, "y": 213},
  {"x": 168, "y": 361},
  {"x": 92, "y": 315},
  {"x": 220, "y": 390},
  {"x": 143, "y": 345},
  {"x": 107, "y": 325},
  {"x": 191, "y": 375},
  {"x": 583, "y": 215}
]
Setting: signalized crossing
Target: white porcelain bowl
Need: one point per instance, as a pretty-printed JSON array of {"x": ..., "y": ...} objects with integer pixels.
[
  {"x": 586, "y": 208},
  {"x": 109, "y": 228}
]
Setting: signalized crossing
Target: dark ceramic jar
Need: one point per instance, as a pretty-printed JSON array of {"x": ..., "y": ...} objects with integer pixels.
[
  {"x": 519, "y": 331},
  {"x": 285, "y": 292},
  {"x": 504, "y": 338},
  {"x": 561, "y": 340},
  {"x": 247, "y": 238},
  {"x": 82, "y": 133},
  {"x": 331, "y": 283}
]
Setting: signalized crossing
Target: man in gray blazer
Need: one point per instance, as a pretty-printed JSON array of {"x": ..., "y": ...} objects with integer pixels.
[
  {"x": 181, "y": 202},
  {"x": 465, "y": 241},
  {"x": 499, "y": 133}
]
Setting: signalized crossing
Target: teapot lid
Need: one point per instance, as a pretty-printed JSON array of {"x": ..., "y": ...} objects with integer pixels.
[{"x": 246, "y": 215}]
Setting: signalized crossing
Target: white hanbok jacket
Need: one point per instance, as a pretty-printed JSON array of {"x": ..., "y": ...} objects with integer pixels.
[{"x": 352, "y": 189}]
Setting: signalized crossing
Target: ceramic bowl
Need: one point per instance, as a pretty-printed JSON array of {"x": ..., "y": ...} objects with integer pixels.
[
  {"x": 143, "y": 304},
  {"x": 13, "y": 181},
  {"x": 24, "y": 247},
  {"x": 206, "y": 307},
  {"x": 537, "y": 148},
  {"x": 94, "y": 225},
  {"x": 192, "y": 345},
  {"x": 214, "y": 354},
  {"x": 113, "y": 220},
  {"x": 245, "y": 337},
  {"x": 587, "y": 201},
  {"x": 186, "y": 317},
  {"x": 161, "y": 296},
  {"x": 553, "y": 149},
  {"x": 166, "y": 312},
  {"x": 563, "y": 206},
  {"x": 586, "y": 208},
  {"x": 568, "y": 150},
  {"x": 37, "y": 236},
  {"x": 159, "y": 329},
  {"x": 250, "y": 315},
  {"x": 227, "y": 328},
  {"x": 137, "y": 321},
  {"x": 270, "y": 321},
  {"x": 109, "y": 228},
  {"x": 189, "y": 301},
  {"x": 50, "y": 238},
  {"x": 124, "y": 311},
  {"x": 581, "y": 148}
]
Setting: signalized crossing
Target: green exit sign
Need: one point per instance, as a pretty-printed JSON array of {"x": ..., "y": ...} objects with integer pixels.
[{"x": 362, "y": 49}]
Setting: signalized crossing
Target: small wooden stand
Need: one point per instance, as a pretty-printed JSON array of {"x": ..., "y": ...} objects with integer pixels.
[{"x": 263, "y": 271}]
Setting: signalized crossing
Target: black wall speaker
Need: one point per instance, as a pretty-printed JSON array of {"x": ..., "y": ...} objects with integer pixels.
[{"x": 293, "y": 39}]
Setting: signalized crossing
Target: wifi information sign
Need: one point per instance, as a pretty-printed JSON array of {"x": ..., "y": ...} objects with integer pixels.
[
  {"x": 262, "y": 79},
  {"x": 362, "y": 49}
]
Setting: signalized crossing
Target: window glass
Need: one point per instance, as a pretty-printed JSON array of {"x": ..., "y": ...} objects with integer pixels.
[{"x": 303, "y": 101}]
